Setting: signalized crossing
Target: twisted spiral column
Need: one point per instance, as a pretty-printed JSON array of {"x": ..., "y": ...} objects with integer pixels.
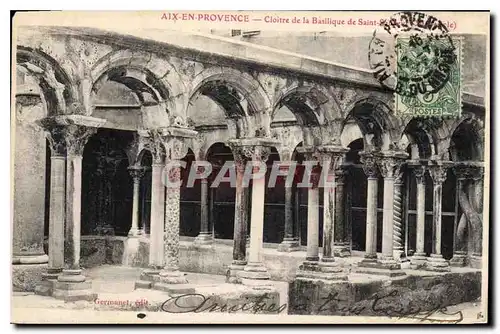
[{"x": 397, "y": 217}]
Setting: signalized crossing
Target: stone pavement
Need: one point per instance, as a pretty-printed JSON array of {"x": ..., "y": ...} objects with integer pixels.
[{"x": 115, "y": 288}]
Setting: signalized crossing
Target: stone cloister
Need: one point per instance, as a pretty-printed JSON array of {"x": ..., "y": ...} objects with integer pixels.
[{"x": 98, "y": 115}]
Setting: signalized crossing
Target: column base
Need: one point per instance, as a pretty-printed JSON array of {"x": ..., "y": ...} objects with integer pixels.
[
  {"x": 289, "y": 245},
  {"x": 384, "y": 266},
  {"x": 30, "y": 259},
  {"x": 459, "y": 259},
  {"x": 368, "y": 260},
  {"x": 172, "y": 276},
  {"x": 255, "y": 275},
  {"x": 175, "y": 288},
  {"x": 148, "y": 277},
  {"x": 72, "y": 286},
  {"x": 342, "y": 250},
  {"x": 418, "y": 260},
  {"x": 398, "y": 253},
  {"x": 476, "y": 261},
  {"x": 46, "y": 286},
  {"x": 321, "y": 270},
  {"x": 232, "y": 272},
  {"x": 134, "y": 233},
  {"x": 437, "y": 263},
  {"x": 203, "y": 240}
]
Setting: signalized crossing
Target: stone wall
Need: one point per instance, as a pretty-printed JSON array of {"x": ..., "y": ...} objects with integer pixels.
[
  {"x": 399, "y": 297},
  {"x": 100, "y": 250}
]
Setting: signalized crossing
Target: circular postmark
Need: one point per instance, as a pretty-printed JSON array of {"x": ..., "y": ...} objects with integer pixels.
[{"x": 412, "y": 54}]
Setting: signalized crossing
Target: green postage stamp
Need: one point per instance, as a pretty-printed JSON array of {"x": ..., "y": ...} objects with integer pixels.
[{"x": 429, "y": 76}]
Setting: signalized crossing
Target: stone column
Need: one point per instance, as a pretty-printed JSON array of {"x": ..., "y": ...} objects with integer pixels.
[
  {"x": 310, "y": 267},
  {"x": 170, "y": 273},
  {"x": 290, "y": 242},
  {"x": 151, "y": 141},
  {"x": 371, "y": 171},
  {"x": 56, "y": 217},
  {"x": 240, "y": 219},
  {"x": 436, "y": 262},
  {"x": 205, "y": 237},
  {"x": 328, "y": 172},
  {"x": 137, "y": 173},
  {"x": 296, "y": 214},
  {"x": 419, "y": 258},
  {"x": 331, "y": 157},
  {"x": 342, "y": 243},
  {"x": 156, "y": 255},
  {"x": 255, "y": 272},
  {"x": 71, "y": 284},
  {"x": 211, "y": 209},
  {"x": 313, "y": 219},
  {"x": 476, "y": 193},
  {"x": 469, "y": 193},
  {"x": 459, "y": 243},
  {"x": 389, "y": 165},
  {"x": 56, "y": 212},
  {"x": 398, "y": 239},
  {"x": 28, "y": 189}
]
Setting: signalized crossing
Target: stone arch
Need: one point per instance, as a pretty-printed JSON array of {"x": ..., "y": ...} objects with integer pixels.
[
  {"x": 144, "y": 73},
  {"x": 467, "y": 140},
  {"x": 57, "y": 88},
  {"x": 377, "y": 123},
  {"x": 473, "y": 127},
  {"x": 141, "y": 154},
  {"x": 242, "y": 98},
  {"x": 318, "y": 104},
  {"x": 204, "y": 150},
  {"x": 421, "y": 137}
]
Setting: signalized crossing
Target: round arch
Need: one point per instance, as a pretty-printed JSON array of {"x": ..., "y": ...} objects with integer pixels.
[
  {"x": 144, "y": 73},
  {"x": 467, "y": 141},
  {"x": 420, "y": 136},
  {"x": 376, "y": 121},
  {"x": 56, "y": 86},
  {"x": 311, "y": 105},
  {"x": 241, "y": 97}
]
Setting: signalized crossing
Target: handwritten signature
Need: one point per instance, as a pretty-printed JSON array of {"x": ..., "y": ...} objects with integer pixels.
[
  {"x": 431, "y": 309},
  {"x": 196, "y": 303}
]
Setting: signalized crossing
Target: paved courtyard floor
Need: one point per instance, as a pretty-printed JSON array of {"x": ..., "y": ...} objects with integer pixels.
[{"x": 116, "y": 283}]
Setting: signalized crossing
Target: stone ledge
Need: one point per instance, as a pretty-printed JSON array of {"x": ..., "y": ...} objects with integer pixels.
[
  {"x": 25, "y": 277},
  {"x": 357, "y": 298}
]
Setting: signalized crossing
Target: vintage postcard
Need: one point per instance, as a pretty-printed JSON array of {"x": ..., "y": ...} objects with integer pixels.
[{"x": 250, "y": 167}]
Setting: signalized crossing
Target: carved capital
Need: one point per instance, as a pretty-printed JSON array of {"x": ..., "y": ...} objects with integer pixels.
[
  {"x": 369, "y": 162},
  {"x": 243, "y": 154},
  {"x": 70, "y": 131},
  {"x": 76, "y": 138},
  {"x": 419, "y": 172},
  {"x": 175, "y": 148},
  {"x": 331, "y": 157},
  {"x": 390, "y": 165},
  {"x": 57, "y": 142},
  {"x": 438, "y": 173},
  {"x": 152, "y": 141},
  {"x": 136, "y": 172}
]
